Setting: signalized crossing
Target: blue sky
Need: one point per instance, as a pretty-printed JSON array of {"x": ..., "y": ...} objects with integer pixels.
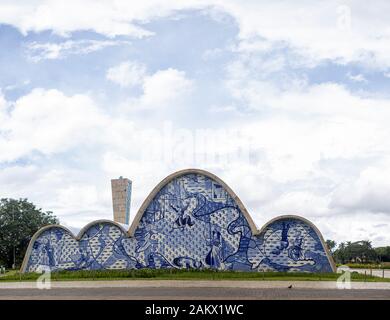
[{"x": 289, "y": 104}]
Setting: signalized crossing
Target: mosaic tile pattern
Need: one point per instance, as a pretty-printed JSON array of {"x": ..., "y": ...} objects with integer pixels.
[{"x": 192, "y": 222}]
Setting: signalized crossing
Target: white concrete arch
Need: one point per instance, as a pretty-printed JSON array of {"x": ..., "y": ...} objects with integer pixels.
[
  {"x": 130, "y": 232},
  {"x": 311, "y": 225},
  {"x": 180, "y": 173},
  {"x": 76, "y": 237}
]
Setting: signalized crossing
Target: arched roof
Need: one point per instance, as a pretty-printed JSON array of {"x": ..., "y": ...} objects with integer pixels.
[
  {"x": 58, "y": 226},
  {"x": 310, "y": 224},
  {"x": 180, "y": 173},
  {"x": 130, "y": 232}
]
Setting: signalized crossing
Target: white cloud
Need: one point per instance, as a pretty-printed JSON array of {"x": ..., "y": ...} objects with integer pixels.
[
  {"x": 332, "y": 30},
  {"x": 164, "y": 87},
  {"x": 118, "y": 163},
  {"x": 356, "y": 77},
  {"x": 127, "y": 74},
  {"x": 48, "y": 121},
  {"x": 321, "y": 151},
  {"x": 104, "y": 17},
  {"x": 304, "y": 203},
  {"x": 368, "y": 191},
  {"x": 247, "y": 83},
  {"x": 159, "y": 90},
  {"x": 16, "y": 86},
  {"x": 3, "y": 108},
  {"x": 76, "y": 196},
  {"x": 37, "y": 51},
  {"x": 359, "y": 226},
  {"x": 63, "y": 18}
]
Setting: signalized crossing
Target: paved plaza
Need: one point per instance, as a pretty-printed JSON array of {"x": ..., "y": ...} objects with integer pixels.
[{"x": 193, "y": 290}]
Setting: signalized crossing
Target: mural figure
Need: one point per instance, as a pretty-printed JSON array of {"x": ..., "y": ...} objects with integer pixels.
[
  {"x": 215, "y": 258},
  {"x": 295, "y": 252},
  {"x": 192, "y": 221},
  {"x": 284, "y": 240}
]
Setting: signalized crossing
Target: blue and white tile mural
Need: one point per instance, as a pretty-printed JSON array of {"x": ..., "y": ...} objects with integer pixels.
[{"x": 192, "y": 222}]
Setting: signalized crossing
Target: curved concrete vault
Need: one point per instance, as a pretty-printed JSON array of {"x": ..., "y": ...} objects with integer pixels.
[{"x": 191, "y": 219}]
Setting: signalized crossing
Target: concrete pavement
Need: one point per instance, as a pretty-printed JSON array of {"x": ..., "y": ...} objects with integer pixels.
[
  {"x": 252, "y": 284},
  {"x": 161, "y": 293},
  {"x": 193, "y": 290}
]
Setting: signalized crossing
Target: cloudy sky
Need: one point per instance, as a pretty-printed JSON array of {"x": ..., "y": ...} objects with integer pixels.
[{"x": 287, "y": 102}]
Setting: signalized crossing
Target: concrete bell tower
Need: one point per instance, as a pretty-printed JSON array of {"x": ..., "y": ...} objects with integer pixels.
[{"x": 121, "y": 197}]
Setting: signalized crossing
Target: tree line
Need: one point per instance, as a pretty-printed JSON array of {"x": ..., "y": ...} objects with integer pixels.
[{"x": 358, "y": 252}]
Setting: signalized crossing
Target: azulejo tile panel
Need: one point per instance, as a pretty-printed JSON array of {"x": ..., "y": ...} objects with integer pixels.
[{"x": 192, "y": 222}]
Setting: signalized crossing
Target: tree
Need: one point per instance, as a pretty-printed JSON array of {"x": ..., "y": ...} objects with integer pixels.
[
  {"x": 383, "y": 253},
  {"x": 331, "y": 245},
  {"x": 360, "y": 252},
  {"x": 19, "y": 220},
  {"x": 339, "y": 254}
]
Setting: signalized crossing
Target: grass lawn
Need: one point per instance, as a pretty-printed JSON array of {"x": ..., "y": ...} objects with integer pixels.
[
  {"x": 182, "y": 274},
  {"x": 383, "y": 265},
  {"x": 9, "y": 273}
]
